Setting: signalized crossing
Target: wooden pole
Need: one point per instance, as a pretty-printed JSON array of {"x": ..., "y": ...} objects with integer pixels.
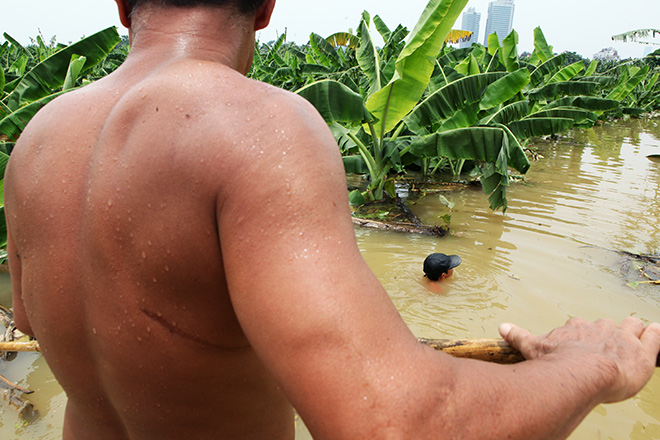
[
  {"x": 490, "y": 350},
  {"x": 19, "y": 346}
]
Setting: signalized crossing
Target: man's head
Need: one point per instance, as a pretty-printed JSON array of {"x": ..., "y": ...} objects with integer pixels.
[
  {"x": 244, "y": 6},
  {"x": 262, "y": 9},
  {"x": 438, "y": 266}
]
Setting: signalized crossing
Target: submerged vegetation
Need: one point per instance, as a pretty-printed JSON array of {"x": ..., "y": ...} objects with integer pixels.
[{"x": 412, "y": 103}]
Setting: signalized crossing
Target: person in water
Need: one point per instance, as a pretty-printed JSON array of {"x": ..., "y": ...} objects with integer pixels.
[
  {"x": 180, "y": 243},
  {"x": 440, "y": 266}
]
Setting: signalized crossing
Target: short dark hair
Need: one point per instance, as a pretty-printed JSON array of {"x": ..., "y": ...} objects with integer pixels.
[{"x": 243, "y": 6}]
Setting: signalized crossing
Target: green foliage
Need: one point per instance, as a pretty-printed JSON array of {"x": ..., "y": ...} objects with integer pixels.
[{"x": 384, "y": 104}]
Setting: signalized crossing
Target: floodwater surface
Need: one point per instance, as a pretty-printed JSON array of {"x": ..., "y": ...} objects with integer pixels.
[{"x": 552, "y": 256}]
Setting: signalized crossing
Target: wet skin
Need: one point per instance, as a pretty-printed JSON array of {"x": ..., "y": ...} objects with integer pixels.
[
  {"x": 181, "y": 246},
  {"x": 114, "y": 204}
]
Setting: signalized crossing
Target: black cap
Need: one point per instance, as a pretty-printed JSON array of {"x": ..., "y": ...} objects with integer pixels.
[{"x": 437, "y": 264}]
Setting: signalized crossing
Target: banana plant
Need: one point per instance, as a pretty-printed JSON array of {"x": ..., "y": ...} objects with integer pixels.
[{"x": 392, "y": 90}]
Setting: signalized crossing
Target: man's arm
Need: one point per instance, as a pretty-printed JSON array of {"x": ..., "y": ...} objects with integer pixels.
[{"x": 322, "y": 323}]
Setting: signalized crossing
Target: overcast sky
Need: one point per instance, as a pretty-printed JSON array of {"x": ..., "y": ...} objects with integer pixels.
[{"x": 583, "y": 26}]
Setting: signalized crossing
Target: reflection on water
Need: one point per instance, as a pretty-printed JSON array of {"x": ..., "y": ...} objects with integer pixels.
[{"x": 549, "y": 258}]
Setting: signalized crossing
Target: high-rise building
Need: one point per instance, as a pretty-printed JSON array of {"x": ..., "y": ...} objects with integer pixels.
[
  {"x": 500, "y": 19},
  {"x": 471, "y": 19}
]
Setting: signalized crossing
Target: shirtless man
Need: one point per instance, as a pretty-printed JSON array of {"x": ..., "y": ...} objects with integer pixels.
[{"x": 181, "y": 245}]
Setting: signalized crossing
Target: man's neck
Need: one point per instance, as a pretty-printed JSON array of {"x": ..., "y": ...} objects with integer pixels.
[{"x": 160, "y": 34}]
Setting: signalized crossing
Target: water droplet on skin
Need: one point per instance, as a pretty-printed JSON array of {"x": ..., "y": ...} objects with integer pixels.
[
  {"x": 109, "y": 203},
  {"x": 154, "y": 280},
  {"x": 144, "y": 255},
  {"x": 94, "y": 330}
]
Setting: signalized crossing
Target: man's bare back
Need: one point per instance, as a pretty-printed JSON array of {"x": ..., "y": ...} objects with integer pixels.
[
  {"x": 181, "y": 246},
  {"x": 125, "y": 287}
]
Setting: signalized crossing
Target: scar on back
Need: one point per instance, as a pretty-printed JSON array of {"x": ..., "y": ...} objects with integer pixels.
[{"x": 182, "y": 333}]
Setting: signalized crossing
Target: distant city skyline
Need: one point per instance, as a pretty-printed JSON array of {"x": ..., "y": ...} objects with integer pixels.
[
  {"x": 471, "y": 23},
  {"x": 585, "y": 27},
  {"x": 500, "y": 19}
]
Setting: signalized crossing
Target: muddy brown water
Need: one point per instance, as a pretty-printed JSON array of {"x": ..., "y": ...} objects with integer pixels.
[{"x": 551, "y": 257}]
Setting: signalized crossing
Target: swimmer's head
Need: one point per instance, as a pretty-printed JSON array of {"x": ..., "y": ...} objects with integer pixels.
[{"x": 437, "y": 265}]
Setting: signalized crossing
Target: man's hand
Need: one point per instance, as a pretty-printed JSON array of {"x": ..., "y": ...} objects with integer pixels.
[{"x": 625, "y": 354}]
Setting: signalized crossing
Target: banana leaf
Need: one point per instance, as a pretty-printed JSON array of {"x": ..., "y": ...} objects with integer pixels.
[
  {"x": 590, "y": 103},
  {"x": 567, "y": 73},
  {"x": 324, "y": 51},
  {"x": 441, "y": 77},
  {"x": 504, "y": 89},
  {"x": 414, "y": 65},
  {"x": 493, "y": 44},
  {"x": 73, "y": 72},
  {"x": 17, "y": 45},
  {"x": 49, "y": 74},
  {"x": 531, "y": 127},
  {"x": 509, "y": 52},
  {"x": 623, "y": 90},
  {"x": 592, "y": 68},
  {"x": 564, "y": 88},
  {"x": 309, "y": 69},
  {"x": 368, "y": 59},
  {"x": 394, "y": 44},
  {"x": 466, "y": 117},
  {"x": 343, "y": 39},
  {"x": 546, "y": 68},
  {"x": 458, "y": 35},
  {"x": 604, "y": 80},
  {"x": 450, "y": 99},
  {"x": 541, "y": 47},
  {"x": 382, "y": 28},
  {"x": 507, "y": 114},
  {"x": 578, "y": 115},
  {"x": 454, "y": 56},
  {"x": 336, "y": 102},
  {"x": 469, "y": 66},
  {"x": 276, "y": 47},
  {"x": 494, "y": 64},
  {"x": 496, "y": 146},
  {"x": 484, "y": 144},
  {"x": 13, "y": 124}
]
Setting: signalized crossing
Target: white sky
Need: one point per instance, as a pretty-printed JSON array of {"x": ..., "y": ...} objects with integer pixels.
[{"x": 583, "y": 26}]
